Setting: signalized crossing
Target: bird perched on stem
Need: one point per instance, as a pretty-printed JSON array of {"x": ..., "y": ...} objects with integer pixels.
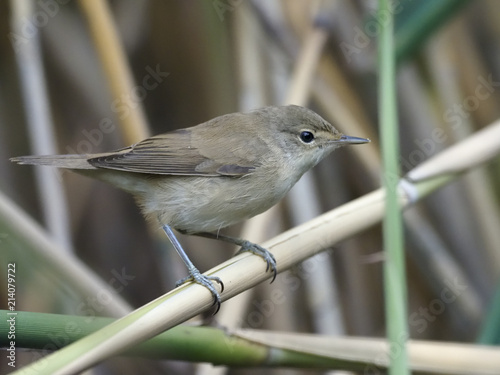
[{"x": 201, "y": 179}]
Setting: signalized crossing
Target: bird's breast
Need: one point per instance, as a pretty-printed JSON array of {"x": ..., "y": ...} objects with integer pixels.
[{"x": 197, "y": 204}]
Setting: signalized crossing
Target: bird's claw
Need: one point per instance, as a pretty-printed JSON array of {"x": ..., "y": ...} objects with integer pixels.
[
  {"x": 206, "y": 281},
  {"x": 253, "y": 248}
]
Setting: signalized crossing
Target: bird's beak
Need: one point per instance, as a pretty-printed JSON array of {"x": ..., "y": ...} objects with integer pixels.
[{"x": 346, "y": 139}]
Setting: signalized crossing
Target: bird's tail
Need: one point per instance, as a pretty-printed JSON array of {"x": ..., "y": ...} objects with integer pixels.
[{"x": 59, "y": 161}]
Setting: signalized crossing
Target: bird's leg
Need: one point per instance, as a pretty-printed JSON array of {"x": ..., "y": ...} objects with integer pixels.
[
  {"x": 194, "y": 274},
  {"x": 245, "y": 246}
]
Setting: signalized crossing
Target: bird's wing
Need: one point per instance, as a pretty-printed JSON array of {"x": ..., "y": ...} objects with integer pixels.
[{"x": 169, "y": 154}]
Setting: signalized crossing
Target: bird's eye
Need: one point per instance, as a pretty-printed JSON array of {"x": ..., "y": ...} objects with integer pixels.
[{"x": 306, "y": 137}]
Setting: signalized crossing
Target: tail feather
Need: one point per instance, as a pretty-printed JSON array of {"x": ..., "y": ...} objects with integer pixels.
[{"x": 59, "y": 161}]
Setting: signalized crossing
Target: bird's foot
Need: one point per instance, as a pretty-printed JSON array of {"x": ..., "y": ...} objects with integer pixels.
[
  {"x": 206, "y": 281},
  {"x": 263, "y": 253}
]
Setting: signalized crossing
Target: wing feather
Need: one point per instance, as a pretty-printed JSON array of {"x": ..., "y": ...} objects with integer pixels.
[{"x": 168, "y": 154}]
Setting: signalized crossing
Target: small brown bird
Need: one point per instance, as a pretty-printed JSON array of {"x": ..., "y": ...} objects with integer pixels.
[{"x": 201, "y": 179}]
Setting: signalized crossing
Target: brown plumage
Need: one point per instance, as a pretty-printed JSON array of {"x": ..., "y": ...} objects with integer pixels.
[{"x": 212, "y": 175}]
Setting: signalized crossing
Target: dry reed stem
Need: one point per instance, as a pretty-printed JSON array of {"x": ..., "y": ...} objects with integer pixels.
[{"x": 114, "y": 60}]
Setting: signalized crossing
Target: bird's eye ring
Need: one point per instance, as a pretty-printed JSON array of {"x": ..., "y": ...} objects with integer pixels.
[{"x": 306, "y": 136}]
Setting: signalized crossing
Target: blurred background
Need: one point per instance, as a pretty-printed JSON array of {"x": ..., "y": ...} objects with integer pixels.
[{"x": 193, "y": 60}]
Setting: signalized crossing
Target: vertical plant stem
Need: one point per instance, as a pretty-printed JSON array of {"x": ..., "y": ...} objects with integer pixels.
[
  {"x": 115, "y": 64},
  {"x": 40, "y": 124},
  {"x": 394, "y": 267}
]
